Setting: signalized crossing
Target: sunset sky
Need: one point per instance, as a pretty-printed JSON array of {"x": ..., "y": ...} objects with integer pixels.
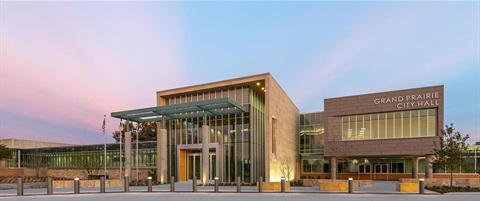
[{"x": 66, "y": 64}]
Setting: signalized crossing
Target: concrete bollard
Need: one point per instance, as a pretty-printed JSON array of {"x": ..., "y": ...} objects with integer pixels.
[
  {"x": 282, "y": 186},
  {"x": 126, "y": 184},
  {"x": 260, "y": 185},
  {"x": 216, "y": 184},
  {"x": 421, "y": 186},
  {"x": 172, "y": 184},
  {"x": 350, "y": 185},
  {"x": 239, "y": 185},
  {"x": 76, "y": 186},
  {"x": 49, "y": 186},
  {"x": 19, "y": 186},
  {"x": 102, "y": 184},
  {"x": 149, "y": 184},
  {"x": 194, "y": 184}
]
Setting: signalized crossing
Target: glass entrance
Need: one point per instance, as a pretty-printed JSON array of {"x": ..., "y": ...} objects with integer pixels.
[{"x": 194, "y": 166}]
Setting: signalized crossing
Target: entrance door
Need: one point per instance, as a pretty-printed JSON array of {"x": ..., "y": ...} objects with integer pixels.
[
  {"x": 194, "y": 166},
  {"x": 382, "y": 170},
  {"x": 212, "y": 166}
]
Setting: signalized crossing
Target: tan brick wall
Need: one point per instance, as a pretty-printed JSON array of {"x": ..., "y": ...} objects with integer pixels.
[
  {"x": 335, "y": 108},
  {"x": 281, "y": 117}
]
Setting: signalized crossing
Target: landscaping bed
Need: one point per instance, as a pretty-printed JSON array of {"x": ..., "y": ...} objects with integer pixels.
[{"x": 448, "y": 189}]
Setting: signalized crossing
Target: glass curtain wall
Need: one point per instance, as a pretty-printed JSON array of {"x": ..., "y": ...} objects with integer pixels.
[
  {"x": 312, "y": 143},
  {"x": 402, "y": 124},
  {"x": 75, "y": 156},
  {"x": 239, "y": 135}
]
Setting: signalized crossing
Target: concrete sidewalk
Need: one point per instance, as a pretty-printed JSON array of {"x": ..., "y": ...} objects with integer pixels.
[
  {"x": 382, "y": 190},
  {"x": 167, "y": 196},
  {"x": 380, "y": 187}
]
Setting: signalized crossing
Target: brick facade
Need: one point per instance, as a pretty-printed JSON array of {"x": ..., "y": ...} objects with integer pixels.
[{"x": 335, "y": 108}]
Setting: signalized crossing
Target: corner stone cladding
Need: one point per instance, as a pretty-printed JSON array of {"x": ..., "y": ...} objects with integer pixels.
[
  {"x": 333, "y": 185},
  {"x": 88, "y": 183},
  {"x": 407, "y": 187},
  {"x": 274, "y": 186},
  {"x": 445, "y": 181},
  {"x": 356, "y": 183}
]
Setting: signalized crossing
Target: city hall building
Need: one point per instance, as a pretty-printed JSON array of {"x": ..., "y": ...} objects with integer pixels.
[{"x": 249, "y": 128}]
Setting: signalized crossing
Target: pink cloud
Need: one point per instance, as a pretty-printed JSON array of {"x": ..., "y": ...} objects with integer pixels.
[{"x": 72, "y": 78}]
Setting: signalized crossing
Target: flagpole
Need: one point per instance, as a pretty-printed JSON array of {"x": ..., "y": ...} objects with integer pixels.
[{"x": 105, "y": 149}]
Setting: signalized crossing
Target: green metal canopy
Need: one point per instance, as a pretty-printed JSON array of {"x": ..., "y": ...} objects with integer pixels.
[{"x": 219, "y": 106}]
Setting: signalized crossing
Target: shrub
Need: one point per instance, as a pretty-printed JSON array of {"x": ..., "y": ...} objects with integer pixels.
[
  {"x": 447, "y": 189},
  {"x": 296, "y": 183}
]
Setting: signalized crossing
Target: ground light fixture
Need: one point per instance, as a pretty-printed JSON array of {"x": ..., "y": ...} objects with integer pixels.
[
  {"x": 350, "y": 185},
  {"x": 76, "y": 185},
  {"x": 421, "y": 186},
  {"x": 149, "y": 184},
  {"x": 216, "y": 184}
]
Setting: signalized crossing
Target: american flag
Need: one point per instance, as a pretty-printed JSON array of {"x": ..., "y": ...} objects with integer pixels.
[{"x": 103, "y": 125}]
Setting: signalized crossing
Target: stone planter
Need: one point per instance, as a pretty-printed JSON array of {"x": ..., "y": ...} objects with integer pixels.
[{"x": 274, "y": 186}]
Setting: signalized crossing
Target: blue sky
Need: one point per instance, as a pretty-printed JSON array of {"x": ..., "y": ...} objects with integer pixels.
[{"x": 65, "y": 64}]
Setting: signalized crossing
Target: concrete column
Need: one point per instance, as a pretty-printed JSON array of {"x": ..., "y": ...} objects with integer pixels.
[
  {"x": 160, "y": 177},
  {"x": 415, "y": 167},
  {"x": 163, "y": 156},
  {"x": 18, "y": 159},
  {"x": 333, "y": 168},
  {"x": 205, "y": 152},
  {"x": 428, "y": 166},
  {"x": 128, "y": 153}
]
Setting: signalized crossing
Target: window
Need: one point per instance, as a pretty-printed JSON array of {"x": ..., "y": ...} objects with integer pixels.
[
  {"x": 402, "y": 124},
  {"x": 365, "y": 168},
  {"x": 396, "y": 168}
]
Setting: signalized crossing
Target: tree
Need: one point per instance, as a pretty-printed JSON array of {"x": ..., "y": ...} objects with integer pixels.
[
  {"x": 339, "y": 149},
  {"x": 286, "y": 167},
  {"x": 147, "y": 132},
  {"x": 38, "y": 161},
  {"x": 90, "y": 165},
  {"x": 451, "y": 152},
  {"x": 5, "y": 153}
]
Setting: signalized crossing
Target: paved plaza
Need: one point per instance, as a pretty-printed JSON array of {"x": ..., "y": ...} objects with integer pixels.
[
  {"x": 137, "y": 196},
  {"x": 382, "y": 190}
]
